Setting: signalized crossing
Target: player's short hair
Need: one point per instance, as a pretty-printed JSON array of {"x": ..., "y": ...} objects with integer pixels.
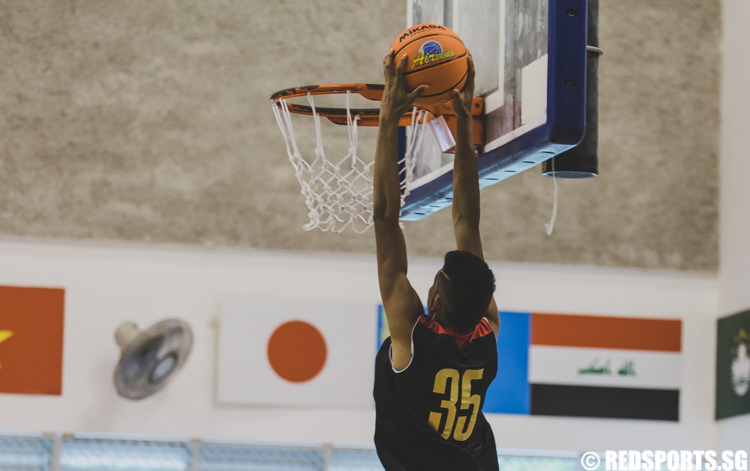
[{"x": 467, "y": 286}]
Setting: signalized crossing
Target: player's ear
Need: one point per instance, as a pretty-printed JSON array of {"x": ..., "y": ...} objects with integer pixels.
[{"x": 437, "y": 303}]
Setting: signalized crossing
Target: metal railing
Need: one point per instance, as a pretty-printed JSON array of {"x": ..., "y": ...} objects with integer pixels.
[{"x": 66, "y": 452}]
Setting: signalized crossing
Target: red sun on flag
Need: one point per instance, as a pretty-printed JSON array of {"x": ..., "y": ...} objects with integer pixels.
[{"x": 297, "y": 351}]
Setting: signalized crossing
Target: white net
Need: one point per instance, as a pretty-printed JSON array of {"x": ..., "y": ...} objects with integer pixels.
[{"x": 338, "y": 191}]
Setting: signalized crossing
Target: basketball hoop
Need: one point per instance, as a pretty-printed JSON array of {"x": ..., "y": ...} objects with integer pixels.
[
  {"x": 365, "y": 116},
  {"x": 338, "y": 191}
]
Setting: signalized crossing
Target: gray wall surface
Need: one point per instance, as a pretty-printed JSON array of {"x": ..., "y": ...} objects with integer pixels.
[{"x": 149, "y": 122}]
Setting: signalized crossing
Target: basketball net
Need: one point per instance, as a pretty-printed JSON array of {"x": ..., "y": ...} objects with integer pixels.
[{"x": 338, "y": 192}]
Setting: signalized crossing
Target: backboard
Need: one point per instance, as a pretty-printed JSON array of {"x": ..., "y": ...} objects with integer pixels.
[{"x": 530, "y": 58}]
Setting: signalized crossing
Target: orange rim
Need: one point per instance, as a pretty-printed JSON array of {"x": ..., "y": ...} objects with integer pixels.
[
  {"x": 371, "y": 116},
  {"x": 367, "y": 116}
]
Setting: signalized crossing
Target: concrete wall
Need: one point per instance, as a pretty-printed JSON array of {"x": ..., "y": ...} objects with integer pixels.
[
  {"x": 149, "y": 122},
  {"x": 106, "y": 286},
  {"x": 734, "y": 275}
]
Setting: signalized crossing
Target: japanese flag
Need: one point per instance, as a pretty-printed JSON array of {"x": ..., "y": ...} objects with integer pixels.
[{"x": 279, "y": 351}]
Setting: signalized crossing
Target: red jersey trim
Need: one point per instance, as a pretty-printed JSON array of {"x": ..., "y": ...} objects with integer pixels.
[{"x": 482, "y": 329}]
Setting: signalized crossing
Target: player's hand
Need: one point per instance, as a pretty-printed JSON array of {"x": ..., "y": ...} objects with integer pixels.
[
  {"x": 396, "y": 99},
  {"x": 463, "y": 100}
]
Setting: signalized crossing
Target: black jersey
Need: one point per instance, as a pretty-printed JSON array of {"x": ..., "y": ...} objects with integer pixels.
[{"x": 429, "y": 415}]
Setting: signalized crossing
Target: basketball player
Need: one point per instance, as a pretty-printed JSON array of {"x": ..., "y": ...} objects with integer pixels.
[{"x": 432, "y": 374}]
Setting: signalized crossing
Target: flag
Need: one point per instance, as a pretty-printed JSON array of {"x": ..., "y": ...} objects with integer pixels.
[
  {"x": 291, "y": 352},
  {"x": 733, "y": 365},
  {"x": 31, "y": 340},
  {"x": 587, "y": 366}
]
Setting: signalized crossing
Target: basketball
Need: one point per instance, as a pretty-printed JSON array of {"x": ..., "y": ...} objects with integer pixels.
[{"x": 436, "y": 56}]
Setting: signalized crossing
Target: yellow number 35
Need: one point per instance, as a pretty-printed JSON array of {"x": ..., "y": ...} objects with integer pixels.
[{"x": 468, "y": 401}]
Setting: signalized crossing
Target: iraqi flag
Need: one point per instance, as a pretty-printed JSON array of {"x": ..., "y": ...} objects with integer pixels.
[
  {"x": 287, "y": 352},
  {"x": 588, "y": 366}
]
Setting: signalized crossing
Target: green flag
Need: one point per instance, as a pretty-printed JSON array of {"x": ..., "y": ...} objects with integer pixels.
[{"x": 733, "y": 365}]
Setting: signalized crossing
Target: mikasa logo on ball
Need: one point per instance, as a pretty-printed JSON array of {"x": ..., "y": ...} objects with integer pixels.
[
  {"x": 431, "y": 51},
  {"x": 418, "y": 29}
]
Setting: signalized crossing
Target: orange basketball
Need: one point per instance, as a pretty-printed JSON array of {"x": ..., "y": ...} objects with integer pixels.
[{"x": 436, "y": 56}]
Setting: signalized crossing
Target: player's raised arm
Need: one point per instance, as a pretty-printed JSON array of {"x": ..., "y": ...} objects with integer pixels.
[
  {"x": 402, "y": 304},
  {"x": 466, "y": 207}
]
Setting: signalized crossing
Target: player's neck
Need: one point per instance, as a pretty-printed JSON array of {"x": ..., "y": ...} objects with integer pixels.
[{"x": 441, "y": 319}]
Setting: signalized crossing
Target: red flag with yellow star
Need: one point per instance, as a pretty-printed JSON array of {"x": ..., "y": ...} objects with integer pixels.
[{"x": 31, "y": 340}]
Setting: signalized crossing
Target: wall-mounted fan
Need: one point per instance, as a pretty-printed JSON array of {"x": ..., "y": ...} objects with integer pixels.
[{"x": 150, "y": 358}]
